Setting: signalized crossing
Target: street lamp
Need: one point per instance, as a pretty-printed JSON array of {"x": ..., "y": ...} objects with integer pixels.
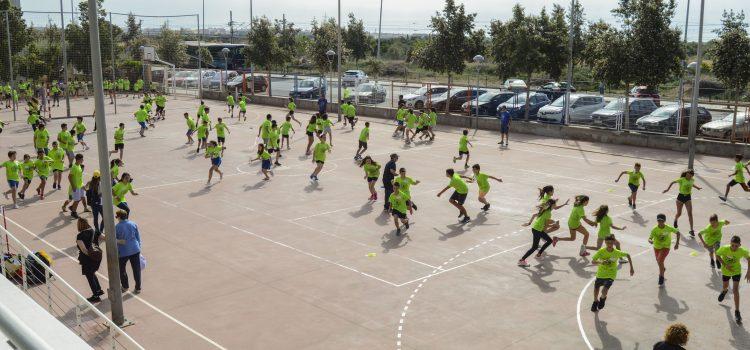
[
  {"x": 225, "y": 53},
  {"x": 330, "y": 54},
  {"x": 478, "y": 59}
]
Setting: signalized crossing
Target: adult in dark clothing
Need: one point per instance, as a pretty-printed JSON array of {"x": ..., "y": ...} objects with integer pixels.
[
  {"x": 94, "y": 198},
  {"x": 86, "y": 241},
  {"x": 322, "y": 105},
  {"x": 389, "y": 172},
  {"x": 675, "y": 338}
]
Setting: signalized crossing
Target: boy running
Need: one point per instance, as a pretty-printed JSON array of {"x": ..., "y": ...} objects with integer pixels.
[
  {"x": 27, "y": 170},
  {"x": 265, "y": 159},
  {"x": 243, "y": 109},
  {"x": 221, "y": 131},
  {"x": 463, "y": 148},
  {"x": 731, "y": 255},
  {"x": 141, "y": 116},
  {"x": 661, "y": 238},
  {"x": 459, "y": 194},
  {"x": 264, "y": 130},
  {"x": 606, "y": 271},
  {"x": 12, "y": 174},
  {"x": 738, "y": 177},
  {"x": 364, "y": 136},
  {"x": 634, "y": 180},
  {"x": 319, "y": 156},
  {"x": 119, "y": 140},
  {"x": 398, "y": 205},
  {"x": 42, "y": 166},
  {"x": 400, "y": 116},
  {"x": 483, "y": 183},
  {"x": 404, "y": 184},
  {"x": 191, "y": 127},
  {"x": 202, "y": 136},
  {"x": 711, "y": 237},
  {"x": 66, "y": 142},
  {"x": 41, "y": 139},
  {"x": 351, "y": 114},
  {"x": 214, "y": 151},
  {"x": 327, "y": 125},
  {"x": 286, "y": 126},
  {"x": 273, "y": 142},
  {"x": 58, "y": 157},
  {"x": 432, "y": 123},
  {"x": 230, "y": 105},
  {"x": 161, "y": 103},
  {"x": 411, "y": 124},
  {"x": 80, "y": 129}
]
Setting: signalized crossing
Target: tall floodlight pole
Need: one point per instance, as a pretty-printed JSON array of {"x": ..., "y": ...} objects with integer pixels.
[
  {"x": 114, "y": 68},
  {"x": 64, "y": 48},
  {"x": 338, "y": 63},
  {"x": 252, "y": 66},
  {"x": 113, "y": 265},
  {"x": 696, "y": 90},
  {"x": 681, "y": 88},
  {"x": 200, "y": 71},
  {"x": 380, "y": 23},
  {"x": 10, "y": 65},
  {"x": 566, "y": 121}
]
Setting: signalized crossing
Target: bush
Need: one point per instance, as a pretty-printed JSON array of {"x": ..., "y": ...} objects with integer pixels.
[{"x": 395, "y": 69}]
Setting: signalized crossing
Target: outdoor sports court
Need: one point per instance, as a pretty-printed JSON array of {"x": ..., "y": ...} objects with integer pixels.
[{"x": 288, "y": 264}]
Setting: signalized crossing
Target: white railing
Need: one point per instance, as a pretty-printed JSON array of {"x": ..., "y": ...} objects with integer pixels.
[{"x": 59, "y": 298}]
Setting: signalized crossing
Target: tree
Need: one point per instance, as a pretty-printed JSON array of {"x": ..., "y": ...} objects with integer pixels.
[
  {"x": 170, "y": 47},
  {"x": 731, "y": 62},
  {"x": 20, "y": 36},
  {"x": 356, "y": 39},
  {"x": 476, "y": 44},
  {"x": 207, "y": 59},
  {"x": 446, "y": 49},
  {"x": 732, "y": 21},
  {"x": 133, "y": 28},
  {"x": 500, "y": 49},
  {"x": 263, "y": 45},
  {"x": 77, "y": 37},
  {"x": 288, "y": 45},
  {"x": 525, "y": 46},
  {"x": 374, "y": 66},
  {"x": 554, "y": 34},
  {"x": 324, "y": 37}
]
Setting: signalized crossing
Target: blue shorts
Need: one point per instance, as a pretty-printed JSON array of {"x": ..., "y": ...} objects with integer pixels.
[
  {"x": 266, "y": 164},
  {"x": 400, "y": 123},
  {"x": 216, "y": 161},
  {"x": 79, "y": 137},
  {"x": 13, "y": 183},
  {"x": 504, "y": 128},
  {"x": 189, "y": 133},
  {"x": 142, "y": 124}
]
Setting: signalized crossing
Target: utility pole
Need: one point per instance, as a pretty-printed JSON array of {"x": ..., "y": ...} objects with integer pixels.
[
  {"x": 231, "y": 28},
  {"x": 64, "y": 48},
  {"x": 681, "y": 88},
  {"x": 566, "y": 121},
  {"x": 338, "y": 64},
  {"x": 113, "y": 265},
  {"x": 696, "y": 90},
  {"x": 380, "y": 22}
]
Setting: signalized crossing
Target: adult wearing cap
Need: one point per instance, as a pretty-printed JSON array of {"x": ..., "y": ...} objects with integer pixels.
[
  {"x": 389, "y": 172},
  {"x": 94, "y": 199}
]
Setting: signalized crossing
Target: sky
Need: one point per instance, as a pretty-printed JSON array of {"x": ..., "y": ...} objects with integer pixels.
[{"x": 406, "y": 17}]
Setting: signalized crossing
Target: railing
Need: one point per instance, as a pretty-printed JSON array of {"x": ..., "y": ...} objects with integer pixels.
[{"x": 60, "y": 299}]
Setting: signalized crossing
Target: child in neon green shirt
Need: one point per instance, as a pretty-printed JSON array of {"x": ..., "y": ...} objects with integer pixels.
[
  {"x": 606, "y": 260},
  {"x": 463, "y": 148}
]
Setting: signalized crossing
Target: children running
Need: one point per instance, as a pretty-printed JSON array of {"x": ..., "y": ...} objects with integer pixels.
[
  {"x": 634, "y": 180},
  {"x": 191, "y": 127},
  {"x": 574, "y": 224},
  {"x": 483, "y": 183},
  {"x": 686, "y": 184},
  {"x": 731, "y": 255},
  {"x": 540, "y": 229},
  {"x": 372, "y": 170},
  {"x": 461, "y": 190},
  {"x": 319, "y": 157},
  {"x": 661, "y": 239},
  {"x": 404, "y": 184},
  {"x": 214, "y": 151},
  {"x": 463, "y": 148},
  {"x": 12, "y": 174},
  {"x": 286, "y": 126},
  {"x": 711, "y": 237},
  {"x": 364, "y": 136},
  {"x": 606, "y": 272},
  {"x": 738, "y": 177},
  {"x": 265, "y": 159},
  {"x": 398, "y": 205}
]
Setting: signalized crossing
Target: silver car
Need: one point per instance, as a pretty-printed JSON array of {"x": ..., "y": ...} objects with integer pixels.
[
  {"x": 722, "y": 128},
  {"x": 354, "y": 77},
  {"x": 581, "y": 107}
]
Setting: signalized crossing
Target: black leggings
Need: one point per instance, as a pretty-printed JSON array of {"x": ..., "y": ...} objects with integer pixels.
[
  {"x": 538, "y": 235},
  {"x": 93, "y": 282},
  {"x": 135, "y": 264},
  {"x": 96, "y": 210}
]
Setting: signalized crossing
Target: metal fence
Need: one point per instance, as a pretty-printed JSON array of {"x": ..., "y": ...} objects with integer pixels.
[{"x": 33, "y": 274}]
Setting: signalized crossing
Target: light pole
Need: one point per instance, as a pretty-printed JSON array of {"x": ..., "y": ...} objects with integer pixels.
[
  {"x": 380, "y": 22},
  {"x": 65, "y": 56},
  {"x": 681, "y": 88},
  {"x": 478, "y": 59},
  {"x": 329, "y": 55},
  {"x": 566, "y": 110},
  {"x": 696, "y": 90},
  {"x": 225, "y": 53},
  {"x": 338, "y": 59}
]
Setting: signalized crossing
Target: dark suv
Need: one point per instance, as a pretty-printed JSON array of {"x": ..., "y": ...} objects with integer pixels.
[
  {"x": 614, "y": 110},
  {"x": 664, "y": 120}
]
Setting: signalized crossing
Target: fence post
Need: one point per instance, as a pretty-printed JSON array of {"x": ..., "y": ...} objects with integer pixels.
[
  {"x": 112, "y": 340},
  {"x": 78, "y": 318},
  {"x": 47, "y": 276},
  {"x": 24, "y": 273},
  {"x": 10, "y": 66}
]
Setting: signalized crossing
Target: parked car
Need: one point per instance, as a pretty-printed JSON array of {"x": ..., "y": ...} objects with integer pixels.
[
  {"x": 310, "y": 88},
  {"x": 218, "y": 78},
  {"x": 581, "y": 107},
  {"x": 418, "y": 99},
  {"x": 664, "y": 119},
  {"x": 179, "y": 78},
  {"x": 488, "y": 102},
  {"x": 722, "y": 128},
  {"x": 370, "y": 93},
  {"x": 259, "y": 83},
  {"x": 191, "y": 81},
  {"x": 353, "y": 78},
  {"x": 455, "y": 98},
  {"x": 515, "y": 85},
  {"x": 558, "y": 87},
  {"x": 615, "y": 110},
  {"x": 645, "y": 92},
  {"x": 516, "y": 105}
]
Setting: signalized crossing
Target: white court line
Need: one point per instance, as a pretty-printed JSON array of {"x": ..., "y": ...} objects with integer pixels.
[
  {"x": 149, "y": 305},
  {"x": 414, "y": 194}
]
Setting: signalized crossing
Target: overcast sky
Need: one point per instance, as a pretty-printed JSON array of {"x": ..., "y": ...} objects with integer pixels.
[{"x": 398, "y": 16}]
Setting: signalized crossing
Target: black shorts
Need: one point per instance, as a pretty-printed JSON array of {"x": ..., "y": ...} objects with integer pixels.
[
  {"x": 732, "y": 183},
  {"x": 351, "y": 119},
  {"x": 420, "y": 129},
  {"x": 398, "y": 214},
  {"x": 458, "y": 197},
  {"x": 119, "y": 146},
  {"x": 221, "y": 139},
  {"x": 271, "y": 150},
  {"x": 285, "y": 137},
  {"x": 320, "y": 162},
  {"x": 633, "y": 188},
  {"x": 603, "y": 282},
  {"x": 159, "y": 109},
  {"x": 309, "y": 133},
  {"x": 735, "y": 278},
  {"x": 463, "y": 152},
  {"x": 683, "y": 198},
  {"x": 372, "y": 179},
  {"x": 362, "y": 144}
]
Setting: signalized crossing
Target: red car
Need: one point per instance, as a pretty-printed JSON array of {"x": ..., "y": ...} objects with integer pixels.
[{"x": 644, "y": 92}]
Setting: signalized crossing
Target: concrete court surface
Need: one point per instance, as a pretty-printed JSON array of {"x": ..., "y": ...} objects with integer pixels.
[{"x": 288, "y": 264}]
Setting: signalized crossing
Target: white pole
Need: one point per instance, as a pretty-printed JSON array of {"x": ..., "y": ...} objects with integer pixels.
[
  {"x": 338, "y": 58},
  {"x": 696, "y": 90},
  {"x": 380, "y": 22}
]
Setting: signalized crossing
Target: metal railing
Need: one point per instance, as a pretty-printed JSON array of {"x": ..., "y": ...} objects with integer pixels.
[{"x": 48, "y": 289}]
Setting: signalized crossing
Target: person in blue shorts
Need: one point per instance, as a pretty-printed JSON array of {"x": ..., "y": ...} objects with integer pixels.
[
  {"x": 265, "y": 159},
  {"x": 214, "y": 151},
  {"x": 504, "y": 126}
]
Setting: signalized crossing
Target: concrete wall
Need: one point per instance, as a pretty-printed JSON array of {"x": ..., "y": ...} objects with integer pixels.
[{"x": 709, "y": 147}]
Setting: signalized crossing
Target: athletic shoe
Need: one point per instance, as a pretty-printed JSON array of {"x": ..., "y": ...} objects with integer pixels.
[
  {"x": 74, "y": 215},
  {"x": 661, "y": 280},
  {"x": 312, "y": 178},
  {"x": 523, "y": 263},
  {"x": 94, "y": 299},
  {"x": 398, "y": 232},
  {"x": 630, "y": 202},
  {"x": 712, "y": 264},
  {"x": 21, "y": 195},
  {"x": 595, "y": 306},
  {"x": 15, "y": 206},
  {"x": 623, "y": 261},
  {"x": 486, "y": 207},
  {"x": 633, "y": 206},
  {"x": 407, "y": 225},
  {"x": 454, "y": 159},
  {"x": 692, "y": 233},
  {"x": 466, "y": 166},
  {"x": 722, "y": 295},
  {"x": 585, "y": 253},
  {"x": 601, "y": 303},
  {"x": 554, "y": 241},
  {"x": 465, "y": 219},
  {"x": 99, "y": 293},
  {"x": 737, "y": 316},
  {"x": 674, "y": 223},
  {"x": 723, "y": 199}
]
